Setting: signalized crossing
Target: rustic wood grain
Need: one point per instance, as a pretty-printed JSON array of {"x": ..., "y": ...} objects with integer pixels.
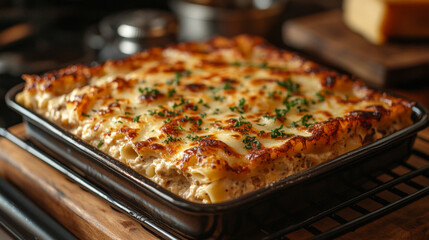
[
  {"x": 85, "y": 215},
  {"x": 326, "y": 36},
  {"x": 89, "y": 217}
]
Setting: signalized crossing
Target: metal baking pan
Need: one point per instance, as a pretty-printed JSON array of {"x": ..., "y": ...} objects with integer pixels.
[{"x": 273, "y": 207}]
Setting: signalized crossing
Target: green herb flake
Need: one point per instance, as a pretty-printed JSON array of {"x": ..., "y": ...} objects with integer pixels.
[
  {"x": 171, "y": 139},
  {"x": 195, "y": 138},
  {"x": 249, "y": 141},
  {"x": 199, "y": 123},
  {"x": 100, "y": 143},
  {"x": 178, "y": 127},
  {"x": 279, "y": 132},
  {"x": 136, "y": 118},
  {"x": 171, "y": 92},
  {"x": 227, "y": 86},
  {"x": 181, "y": 102},
  {"x": 289, "y": 85},
  {"x": 219, "y": 98},
  {"x": 239, "y": 122},
  {"x": 304, "y": 120},
  {"x": 240, "y": 107},
  {"x": 320, "y": 97},
  {"x": 149, "y": 91}
]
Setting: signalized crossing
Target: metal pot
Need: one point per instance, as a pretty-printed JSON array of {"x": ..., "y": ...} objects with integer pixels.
[{"x": 202, "y": 19}]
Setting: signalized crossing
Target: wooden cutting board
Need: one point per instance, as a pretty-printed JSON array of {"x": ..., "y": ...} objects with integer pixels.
[
  {"x": 325, "y": 35},
  {"x": 89, "y": 217}
]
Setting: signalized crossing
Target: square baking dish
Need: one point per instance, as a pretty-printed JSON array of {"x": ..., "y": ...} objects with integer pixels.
[{"x": 296, "y": 196}]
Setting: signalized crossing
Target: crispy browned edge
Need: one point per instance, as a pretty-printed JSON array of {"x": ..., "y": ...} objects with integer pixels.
[{"x": 323, "y": 133}]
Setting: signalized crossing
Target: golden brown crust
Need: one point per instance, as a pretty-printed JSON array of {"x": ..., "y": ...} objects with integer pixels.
[{"x": 227, "y": 111}]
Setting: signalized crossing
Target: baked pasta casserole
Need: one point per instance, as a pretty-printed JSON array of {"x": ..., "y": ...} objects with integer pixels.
[{"x": 212, "y": 121}]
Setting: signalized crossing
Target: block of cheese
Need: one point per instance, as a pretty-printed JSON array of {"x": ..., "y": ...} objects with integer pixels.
[{"x": 379, "y": 20}]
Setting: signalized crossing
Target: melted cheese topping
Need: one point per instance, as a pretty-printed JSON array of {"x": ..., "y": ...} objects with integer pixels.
[{"x": 212, "y": 121}]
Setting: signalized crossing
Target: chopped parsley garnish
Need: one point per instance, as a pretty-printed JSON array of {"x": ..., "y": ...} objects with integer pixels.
[
  {"x": 240, "y": 107},
  {"x": 216, "y": 111},
  {"x": 194, "y": 138},
  {"x": 236, "y": 63},
  {"x": 149, "y": 92},
  {"x": 182, "y": 102},
  {"x": 136, "y": 118},
  {"x": 247, "y": 76},
  {"x": 280, "y": 113},
  {"x": 199, "y": 123},
  {"x": 202, "y": 103},
  {"x": 239, "y": 122},
  {"x": 289, "y": 85},
  {"x": 219, "y": 98},
  {"x": 100, "y": 143},
  {"x": 171, "y": 92},
  {"x": 227, "y": 86},
  {"x": 279, "y": 132},
  {"x": 119, "y": 122},
  {"x": 168, "y": 120},
  {"x": 272, "y": 94},
  {"x": 171, "y": 139},
  {"x": 93, "y": 110},
  {"x": 248, "y": 141},
  {"x": 128, "y": 113},
  {"x": 296, "y": 102},
  {"x": 85, "y": 115},
  {"x": 263, "y": 65},
  {"x": 304, "y": 121},
  {"x": 320, "y": 96},
  {"x": 152, "y": 112},
  {"x": 177, "y": 77},
  {"x": 178, "y": 127},
  {"x": 203, "y": 115},
  {"x": 300, "y": 109}
]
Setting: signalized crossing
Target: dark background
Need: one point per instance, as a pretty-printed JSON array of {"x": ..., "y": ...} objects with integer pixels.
[{"x": 55, "y": 31}]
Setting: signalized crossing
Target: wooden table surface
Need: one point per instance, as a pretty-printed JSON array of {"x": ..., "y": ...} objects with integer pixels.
[{"x": 89, "y": 217}]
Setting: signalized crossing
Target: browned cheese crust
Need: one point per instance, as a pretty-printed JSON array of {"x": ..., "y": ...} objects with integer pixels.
[{"x": 212, "y": 121}]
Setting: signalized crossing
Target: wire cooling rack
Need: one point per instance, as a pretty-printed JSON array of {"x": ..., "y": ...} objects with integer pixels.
[{"x": 377, "y": 196}]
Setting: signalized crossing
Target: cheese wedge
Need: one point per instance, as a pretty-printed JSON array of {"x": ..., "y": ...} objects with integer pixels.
[{"x": 380, "y": 20}]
